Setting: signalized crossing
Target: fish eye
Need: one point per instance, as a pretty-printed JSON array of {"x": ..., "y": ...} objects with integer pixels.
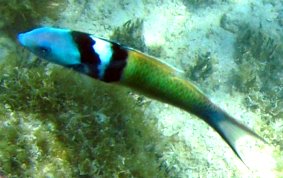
[{"x": 44, "y": 49}]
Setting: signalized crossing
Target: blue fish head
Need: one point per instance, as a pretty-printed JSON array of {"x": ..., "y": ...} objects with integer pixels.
[{"x": 52, "y": 44}]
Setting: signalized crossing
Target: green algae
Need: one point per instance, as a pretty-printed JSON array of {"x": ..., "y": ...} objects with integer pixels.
[
  {"x": 260, "y": 69},
  {"x": 130, "y": 34},
  {"x": 259, "y": 76},
  {"x": 76, "y": 127},
  {"x": 62, "y": 124},
  {"x": 202, "y": 3},
  {"x": 202, "y": 67},
  {"x": 18, "y": 15}
]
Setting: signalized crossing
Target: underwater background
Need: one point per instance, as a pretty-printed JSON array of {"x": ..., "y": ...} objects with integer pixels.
[{"x": 57, "y": 123}]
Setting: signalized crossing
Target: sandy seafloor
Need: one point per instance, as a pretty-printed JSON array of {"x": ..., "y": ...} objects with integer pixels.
[{"x": 181, "y": 33}]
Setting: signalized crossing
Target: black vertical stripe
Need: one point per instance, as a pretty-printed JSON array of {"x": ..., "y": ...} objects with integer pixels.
[
  {"x": 89, "y": 58},
  {"x": 117, "y": 63}
]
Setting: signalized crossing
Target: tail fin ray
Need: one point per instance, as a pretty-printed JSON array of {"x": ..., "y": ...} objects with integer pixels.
[{"x": 231, "y": 131}]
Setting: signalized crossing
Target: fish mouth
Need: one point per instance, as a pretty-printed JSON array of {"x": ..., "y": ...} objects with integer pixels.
[{"x": 21, "y": 38}]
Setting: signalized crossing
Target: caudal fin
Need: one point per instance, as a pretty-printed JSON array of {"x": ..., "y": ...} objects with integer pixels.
[{"x": 243, "y": 141}]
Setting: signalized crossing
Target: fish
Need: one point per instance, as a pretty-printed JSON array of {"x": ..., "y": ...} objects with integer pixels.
[{"x": 114, "y": 63}]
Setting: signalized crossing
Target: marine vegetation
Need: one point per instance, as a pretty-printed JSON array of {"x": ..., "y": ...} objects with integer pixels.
[
  {"x": 201, "y": 3},
  {"x": 259, "y": 76},
  {"x": 18, "y": 15},
  {"x": 202, "y": 67},
  {"x": 114, "y": 63},
  {"x": 130, "y": 34},
  {"x": 62, "y": 124},
  {"x": 49, "y": 127}
]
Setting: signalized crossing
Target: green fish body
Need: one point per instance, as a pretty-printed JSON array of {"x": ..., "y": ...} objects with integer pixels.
[{"x": 111, "y": 62}]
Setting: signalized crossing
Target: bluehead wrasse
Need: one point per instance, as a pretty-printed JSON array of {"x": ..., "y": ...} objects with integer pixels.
[{"x": 112, "y": 62}]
